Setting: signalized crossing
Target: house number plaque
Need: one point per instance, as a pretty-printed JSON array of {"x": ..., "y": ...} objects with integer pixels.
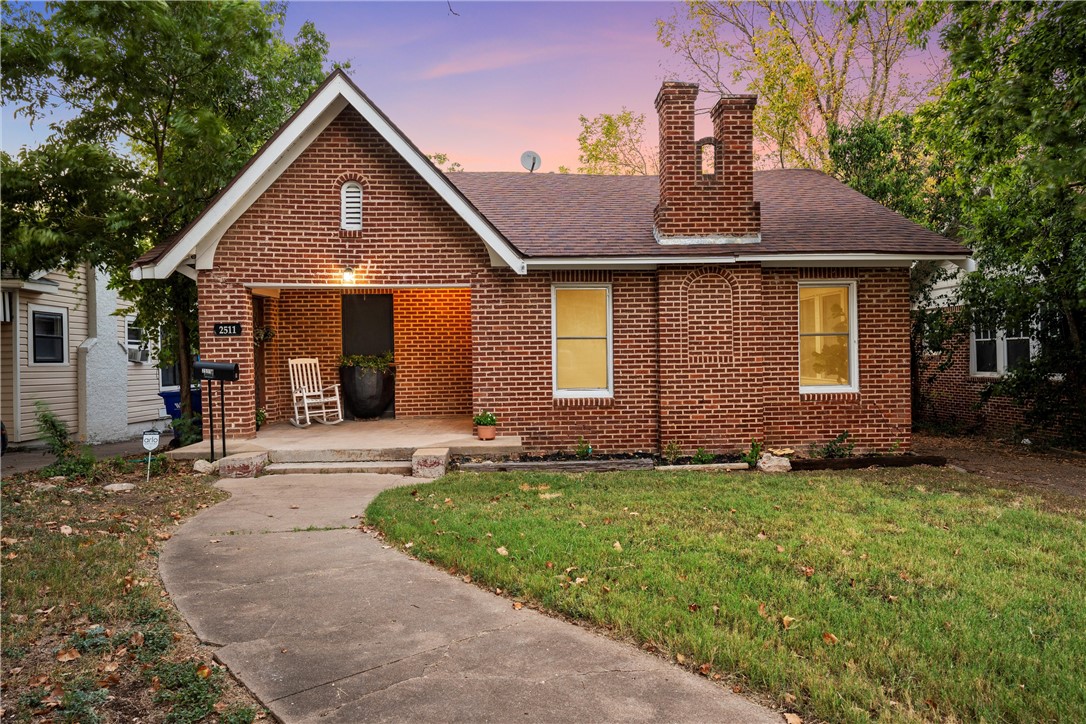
[{"x": 228, "y": 330}]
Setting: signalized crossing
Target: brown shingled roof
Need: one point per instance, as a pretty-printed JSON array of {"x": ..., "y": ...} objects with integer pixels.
[{"x": 803, "y": 212}]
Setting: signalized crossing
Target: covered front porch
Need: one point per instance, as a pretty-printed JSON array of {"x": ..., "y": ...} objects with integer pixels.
[{"x": 357, "y": 441}]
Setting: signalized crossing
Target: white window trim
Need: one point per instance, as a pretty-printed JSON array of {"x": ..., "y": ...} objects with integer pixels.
[
  {"x": 161, "y": 387},
  {"x": 853, "y": 340},
  {"x": 343, "y": 190},
  {"x": 574, "y": 394},
  {"x": 63, "y": 312},
  {"x": 1001, "y": 352},
  {"x": 129, "y": 323}
]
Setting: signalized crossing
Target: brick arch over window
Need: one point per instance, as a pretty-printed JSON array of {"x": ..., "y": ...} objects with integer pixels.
[{"x": 708, "y": 297}]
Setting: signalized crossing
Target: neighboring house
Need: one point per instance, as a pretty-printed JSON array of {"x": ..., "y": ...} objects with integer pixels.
[
  {"x": 707, "y": 306},
  {"x": 950, "y": 384},
  {"x": 61, "y": 343}
]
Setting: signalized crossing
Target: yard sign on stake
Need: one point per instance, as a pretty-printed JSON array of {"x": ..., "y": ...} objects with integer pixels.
[{"x": 150, "y": 443}]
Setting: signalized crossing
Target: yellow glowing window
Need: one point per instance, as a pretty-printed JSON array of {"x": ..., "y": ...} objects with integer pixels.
[
  {"x": 825, "y": 336},
  {"x": 582, "y": 340}
]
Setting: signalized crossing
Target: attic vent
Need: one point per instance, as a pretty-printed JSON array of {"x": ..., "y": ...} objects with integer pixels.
[{"x": 351, "y": 201}]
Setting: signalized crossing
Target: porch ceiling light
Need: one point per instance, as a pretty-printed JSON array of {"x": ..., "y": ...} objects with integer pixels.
[{"x": 348, "y": 275}]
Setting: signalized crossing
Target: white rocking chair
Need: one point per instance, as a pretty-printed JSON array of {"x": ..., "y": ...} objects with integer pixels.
[{"x": 312, "y": 400}]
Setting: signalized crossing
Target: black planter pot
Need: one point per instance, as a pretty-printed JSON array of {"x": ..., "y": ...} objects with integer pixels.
[{"x": 367, "y": 393}]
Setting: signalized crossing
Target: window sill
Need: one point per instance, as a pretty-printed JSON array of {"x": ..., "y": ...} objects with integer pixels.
[{"x": 608, "y": 401}]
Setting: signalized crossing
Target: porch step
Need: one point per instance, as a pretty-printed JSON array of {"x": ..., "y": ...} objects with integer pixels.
[
  {"x": 382, "y": 467},
  {"x": 385, "y": 455}
]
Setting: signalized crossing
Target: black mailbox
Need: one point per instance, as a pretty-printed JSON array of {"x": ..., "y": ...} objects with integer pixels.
[{"x": 222, "y": 371}]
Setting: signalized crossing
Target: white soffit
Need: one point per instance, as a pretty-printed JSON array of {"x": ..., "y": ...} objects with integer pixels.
[{"x": 203, "y": 237}]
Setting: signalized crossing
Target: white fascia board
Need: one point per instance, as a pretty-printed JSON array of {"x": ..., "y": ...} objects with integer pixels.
[
  {"x": 203, "y": 238},
  {"x": 806, "y": 260}
]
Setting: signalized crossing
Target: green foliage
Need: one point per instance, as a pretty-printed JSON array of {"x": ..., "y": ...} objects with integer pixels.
[
  {"x": 751, "y": 456},
  {"x": 91, "y": 639},
  {"x": 485, "y": 419},
  {"x": 702, "y": 457},
  {"x": 169, "y": 100},
  {"x": 583, "y": 451},
  {"x": 440, "y": 159},
  {"x": 1013, "y": 116},
  {"x": 72, "y": 461},
  {"x": 238, "y": 715},
  {"x": 189, "y": 429},
  {"x": 374, "y": 362},
  {"x": 672, "y": 452},
  {"x": 261, "y": 417},
  {"x": 838, "y": 447},
  {"x": 79, "y": 701},
  {"x": 614, "y": 143},
  {"x": 185, "y": 685}
]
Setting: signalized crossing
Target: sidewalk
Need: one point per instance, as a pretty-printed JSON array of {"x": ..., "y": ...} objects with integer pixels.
[{"x": 325, "y": 624}]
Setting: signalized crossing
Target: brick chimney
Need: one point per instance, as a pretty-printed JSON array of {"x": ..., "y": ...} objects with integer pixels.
[{"x": 703, "y": 202}]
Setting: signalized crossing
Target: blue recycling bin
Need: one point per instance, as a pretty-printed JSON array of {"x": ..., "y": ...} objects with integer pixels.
[{"x": 172, "y": 399}]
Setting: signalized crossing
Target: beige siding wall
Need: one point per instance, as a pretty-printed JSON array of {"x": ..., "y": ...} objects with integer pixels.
[
  {"x": 7, "y": 374},
  {"x": 56, "y": 384}
]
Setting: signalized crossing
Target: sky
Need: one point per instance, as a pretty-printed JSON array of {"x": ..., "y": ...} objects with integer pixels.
[{"x": 491, "y": 81}]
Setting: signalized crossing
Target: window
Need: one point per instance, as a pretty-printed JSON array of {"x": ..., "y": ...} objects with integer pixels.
[
  {"x": 996, "y": 352},
  {"x": 169, "y": 377},
  {"x": 137, "y": 349},
  {"x": 827, "y": 337},
  {"x": 49, "y": 335},
  {"x": 581, "y": 324},
  {"x": 351, "y": 206}
]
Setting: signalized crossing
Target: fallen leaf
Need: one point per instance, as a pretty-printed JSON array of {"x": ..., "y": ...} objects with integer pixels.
[
  {"x": 409, "y": 545},
  {"x": 550, "y": 564},
  {"x": 517, "y": 605},
  {"x": 694, "y": 608},
  {"x": 606, "y": 589},
  {"x": 294, "y": 507},
  {"x": 790, "y": 718},
  {"x": 762, "y": 536},
  {"x": 617, "y": 546},
  {"x": 780, "y": 549},
  {"x": 737, "y": 689},
  {"x": 787, "y": 622},
  {"x": 549, "y": 496},
  {"x": 9, "y": 541},
  {"x": 11, "y": 556},
  {"x": 107, "y": 667},
  {"x": 40, "y": 680},
  {"x": 466, "y": 579},
  {"x": 68, "y": 655},
  {"x": 892, "y": 599},
  {"x": 19, "y": 618},
  {"x": 903, "y": 576},
  {"x": 502, "y": 551},
  {"x": 525, "y": 487},
  {"x": 203, "y": 671},
  {"x": 220, "y": 706},
  {"x": 111, "y": 680},
  {"x": 761, "y": 611},
  {"x": 156, "y": 683},
  {"x": 808, "y": 571},
  {"x": 66, "y": 530},
  {"x": 136, "y": 639},
  {"x": 579, "y": 581},
  {"x": 789, "y": 698},
  {"x": 216, "y": 540},
  {"x": 164, "y": 536},
  {"x": 680, "y": 658},
  {"x": 828, "y": 637},
  {"x": 704, "y": 669}
]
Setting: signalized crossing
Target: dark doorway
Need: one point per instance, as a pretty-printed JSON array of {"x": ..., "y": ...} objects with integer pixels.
[
  {"x": 367, "y": 323},
  {"x": 367, "y": 328}
]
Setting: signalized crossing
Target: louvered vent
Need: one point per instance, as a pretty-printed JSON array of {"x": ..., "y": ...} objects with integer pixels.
[{"x": 351, "y": 198}]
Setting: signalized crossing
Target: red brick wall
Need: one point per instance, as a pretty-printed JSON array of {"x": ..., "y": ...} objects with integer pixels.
[
  {"x": 952, "y": 397},
  {"x": 878, "y": 416},
  {"x": 693, "y": 203},
  {"x": 291, "y": 235}
]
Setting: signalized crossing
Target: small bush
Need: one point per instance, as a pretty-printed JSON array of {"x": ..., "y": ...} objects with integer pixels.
[
  {"x": 583, "y": 451},
  {"x": 190, "y": 430},
  {"x": 838, "y": 447},
  {"x": 238, "y": 715},
  {"x": 751, "y": 456},
  {"x": 703, "y": 457},
  {"x": 72, "y": 461},
  {"x": 79, "y": 701},
  {"x": 90, "y": 640},
  {"x": 192, "y": 689},
  {"x": 672, "y": 452}
]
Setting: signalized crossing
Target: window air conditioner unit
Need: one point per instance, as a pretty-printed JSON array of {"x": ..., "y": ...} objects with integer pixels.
[{"x": 135, "y": 354}]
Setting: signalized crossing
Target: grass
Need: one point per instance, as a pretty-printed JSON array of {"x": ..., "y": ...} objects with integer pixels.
[
  {"x": 89, "y": 634},
  {"x": 907, "y": 594}
]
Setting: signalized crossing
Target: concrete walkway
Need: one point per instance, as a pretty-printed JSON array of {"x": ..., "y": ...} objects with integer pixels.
[{"x": 324, "y": 624}]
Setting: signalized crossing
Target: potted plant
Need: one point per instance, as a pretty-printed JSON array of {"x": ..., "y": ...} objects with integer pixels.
[
  {"x": 263, "y": 334},
  {"x": 368, "y": 382},
  {"x": 486, "y": 424}
]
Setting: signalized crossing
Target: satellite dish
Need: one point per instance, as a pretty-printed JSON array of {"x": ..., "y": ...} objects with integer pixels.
[{"x": 530, "y": 160}]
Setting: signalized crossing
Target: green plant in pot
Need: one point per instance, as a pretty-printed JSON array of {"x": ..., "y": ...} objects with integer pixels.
[
  {"x": 486, "y": 425},
  {"x": 368, "y": 382}
]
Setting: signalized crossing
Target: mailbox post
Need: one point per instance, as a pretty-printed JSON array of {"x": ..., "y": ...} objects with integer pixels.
[{"x": 223, "y": 372}]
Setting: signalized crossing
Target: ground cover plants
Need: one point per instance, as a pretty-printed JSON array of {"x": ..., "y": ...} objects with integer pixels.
[
  {"x": 915, "y": 594},
  {"x": 89, "y": 634}
]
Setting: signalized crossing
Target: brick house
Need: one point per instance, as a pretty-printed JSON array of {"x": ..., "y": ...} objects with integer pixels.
[{"x": 707, "y": 306}]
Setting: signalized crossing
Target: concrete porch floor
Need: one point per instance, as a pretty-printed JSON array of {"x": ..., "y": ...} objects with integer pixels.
[{"x": 356, "y": 440}]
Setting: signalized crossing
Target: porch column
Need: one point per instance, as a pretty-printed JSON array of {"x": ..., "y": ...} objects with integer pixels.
[{"x": 226, "y": 302}]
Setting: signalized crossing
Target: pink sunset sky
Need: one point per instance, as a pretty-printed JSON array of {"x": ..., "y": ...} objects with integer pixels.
[{"x": 491, "y": 81}]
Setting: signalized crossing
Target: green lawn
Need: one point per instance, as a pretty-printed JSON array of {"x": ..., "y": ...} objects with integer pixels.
[{"x": 906, "y": 594}]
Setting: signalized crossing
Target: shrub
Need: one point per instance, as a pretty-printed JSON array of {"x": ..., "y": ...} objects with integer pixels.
[
  {"x": 583, "y": 450},
  {"x": 838, "y": 447},
  {"x": 751, "y": 456},
  {"x": 703, "y": 457},
  {"x": 672, "y": 452}
]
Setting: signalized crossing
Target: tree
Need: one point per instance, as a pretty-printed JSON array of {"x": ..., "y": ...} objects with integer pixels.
[
  {"x": 170, "y": 99},
  {"x": 614, "y": 143},
  {"x": 813, "y": 65},
  {"x": 1014, "y": 117},
  {"x": 440, "y": 159}
]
